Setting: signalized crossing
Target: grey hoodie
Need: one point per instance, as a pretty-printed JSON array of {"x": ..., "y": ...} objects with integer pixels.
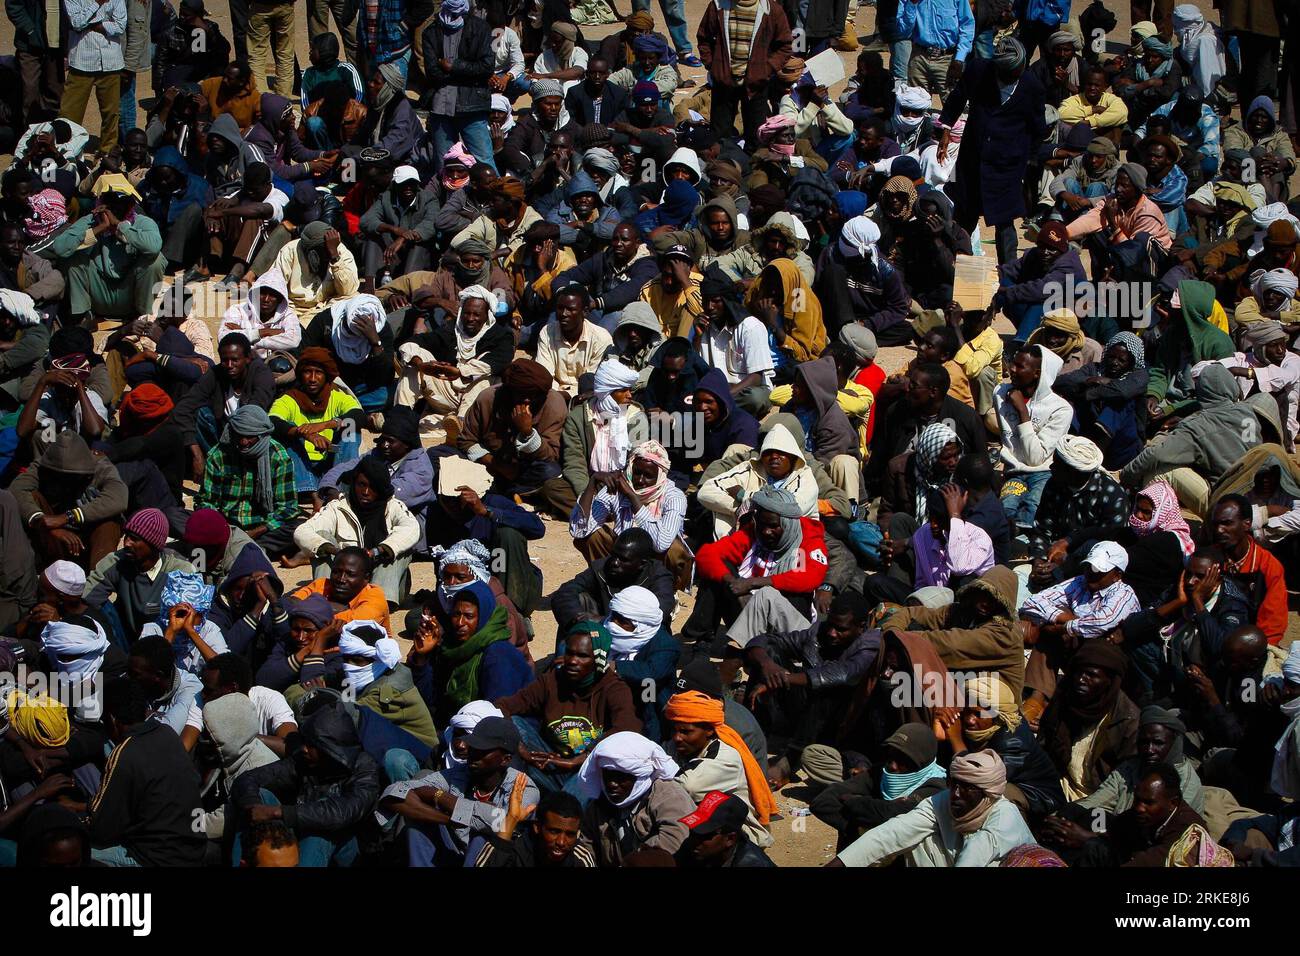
[
  {"x": 832, "y": 433},
  {"x": 1209, "y": 441},
  {"x": 227, "y": 178}
]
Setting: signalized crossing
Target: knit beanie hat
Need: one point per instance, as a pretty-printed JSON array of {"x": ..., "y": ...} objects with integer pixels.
[{"x": 150, "y": 525}]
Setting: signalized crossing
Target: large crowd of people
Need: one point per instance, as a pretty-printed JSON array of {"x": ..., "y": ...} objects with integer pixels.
[{"x": 307, "y": 329}]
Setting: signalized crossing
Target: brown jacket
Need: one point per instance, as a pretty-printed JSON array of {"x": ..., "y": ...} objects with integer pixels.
[
  {"x": 772, "y": 44},
  {"x": 654, "y": 823},
  {"x": 569, "y": 718},
  {"x": 995, "y": 645},
  {"x": 491, "y": 427}
]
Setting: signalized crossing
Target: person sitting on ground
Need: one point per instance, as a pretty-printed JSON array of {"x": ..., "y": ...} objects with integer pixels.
[
  {"x": 1060, "y": 333},
  {"x": 445, "y": 370},
  {"x": 599, "y": 431},
  {"x": 1109, "y": 399},
  {"x": 323, "y": 791},
  {"x": 571, "y": 707},
  {"x": 1034, "y": 420},
  {"x": 249, "y": 477},
  {"x": 264, "y": 317},
  {"x": 143, "y": 813},
  {"x": 548, "y": 839},
  {"x": 970, "y": 824},
  {"x": 1090, "y": 725},
  {"x": 318, "y": 423},
  {"x": 801, "y": 675},
  {"x": 369, "y": 516},
  {"x": 71, "y": 503},
  {"x": 169, "y": 690},
  {"x": 631, "y": 562},
  {"x": 398, "y": 230},
  {"x": 636, "y": 802},
  {"x": 348, "y": 589}
]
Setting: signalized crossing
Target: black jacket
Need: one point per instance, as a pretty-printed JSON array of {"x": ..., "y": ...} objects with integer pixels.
[
  {"x": 526, "y": 144},
  {"x": 522, "y": 852},
  {"x": 1029, "y": 768},
  {"x": 581, "y": 104},
  {"x": 469, "y": 70},
  {"x": 210, "y": 392},
  {"x": 901, "y": 426},
  {"x": 588, "y": 595},
  {"x": 592, "y": 273},
  {"x": 375, "y": 372},
  {"x": 330, "y": 799},
  {"x": 496, "y": 348},
  {"x": 148, "y": 798}
]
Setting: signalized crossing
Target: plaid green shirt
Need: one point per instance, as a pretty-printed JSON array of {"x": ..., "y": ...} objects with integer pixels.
[{"x": 228, "y": 487}]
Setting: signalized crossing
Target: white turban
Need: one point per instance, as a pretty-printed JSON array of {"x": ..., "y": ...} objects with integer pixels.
[
  {"x": 628, "y": 752},
  {"x": 859, "y": 238},
  {"x": 641, "y": 607},
  {"x": 1186, "y": 15},
  {"x": 1080, "y": 453},
  {"x": 912, "y": 97},
  {"x": 350, "y": 345},
  {"x": 383, "y": 653},
  {"x": 1274, "y": 280},
  {"x": 466, "y": 719},
  {"x": 612, "y": 375},
  {"x": 74, "y": 649},
  {"x": 20, "y": 305}
]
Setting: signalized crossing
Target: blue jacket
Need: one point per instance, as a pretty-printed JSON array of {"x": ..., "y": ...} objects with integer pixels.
[{"x": 166, "y": 208}]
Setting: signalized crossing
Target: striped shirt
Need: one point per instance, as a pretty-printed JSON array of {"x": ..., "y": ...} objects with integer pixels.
[
  {"x": 607, "y": 504},
  {"x": 1096, "y": 615}
]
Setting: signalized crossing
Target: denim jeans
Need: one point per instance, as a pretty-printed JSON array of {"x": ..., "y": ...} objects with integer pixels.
[
  {"x": 1021, "y": 492},
  {"x": 374, "y": 399},
  {"x": 313, "y": 851},
  {"x": 674, "y": 12},
  {"x": 469, "y": 128},
  {"x": 530, "y": 735},
  {"x": 307, "y": 473},
  {"x": 126, "y": 103},
  {"x": 400, "y": 764}
]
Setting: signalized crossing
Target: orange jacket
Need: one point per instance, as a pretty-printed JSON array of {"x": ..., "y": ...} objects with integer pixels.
[{"x": 369, "y": 605}]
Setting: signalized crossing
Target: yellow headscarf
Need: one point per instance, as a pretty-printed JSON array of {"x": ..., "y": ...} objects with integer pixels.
[
  {"x": 1239, "y": 194},
  {"x": 989, "y": 692},
  {"x": 805, "y": 330},
  {"x": 41, "y": 721},
  {"x": 1063, "y": 320}
]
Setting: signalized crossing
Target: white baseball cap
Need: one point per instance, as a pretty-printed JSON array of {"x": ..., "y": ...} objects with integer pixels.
[
  {"x": 404, "y": 174},
  {"x": 1107, "y": 556}
]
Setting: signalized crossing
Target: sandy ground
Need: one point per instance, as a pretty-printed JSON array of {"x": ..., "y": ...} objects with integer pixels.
[{"x": 800, "y": 840}]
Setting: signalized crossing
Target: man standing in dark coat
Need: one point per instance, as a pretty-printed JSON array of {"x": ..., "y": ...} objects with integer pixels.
[{"x": 1005, "y": 129}]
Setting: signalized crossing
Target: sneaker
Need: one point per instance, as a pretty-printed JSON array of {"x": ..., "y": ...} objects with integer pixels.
[
  {"x": 876, "y": 44},
  {"x": 690, "y": 59}
]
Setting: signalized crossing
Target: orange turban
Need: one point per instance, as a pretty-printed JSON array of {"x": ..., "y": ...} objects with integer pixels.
[
  {"x": 147, "y": 403},
  {"x": 693, "y": 707}
]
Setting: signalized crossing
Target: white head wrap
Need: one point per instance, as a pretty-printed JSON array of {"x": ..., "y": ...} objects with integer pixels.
[
  {"x": 465, "y": 719},
  {"x": 641, "y": 607},
  {"x": 467, "y": 345},
  {"x": 350, "y": 346},
  {"x": 384, "y": 653},
  {"x": 61, "y": 639},
  {"x": 611, "y": 444},
  {"x": 20, "y": 305},
  {"x": 859, "y": 237},
  {"x": 1081, "y": 454},
  {"x": 628, "y": 752},
  {"x": 1274, "y": 280}
]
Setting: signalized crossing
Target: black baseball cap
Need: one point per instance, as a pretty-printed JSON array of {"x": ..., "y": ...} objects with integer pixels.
[
  {"x": 493, "y": 733},
  {"x": 718, "y": 812}
]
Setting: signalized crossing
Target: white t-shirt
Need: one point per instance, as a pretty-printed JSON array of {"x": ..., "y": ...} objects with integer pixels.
[
  {"x": 277, "y": 200},
  {"x": 549, "y": 63},
  {"x": 741, "y": 351},
  {"x": 272, "y": 711}
]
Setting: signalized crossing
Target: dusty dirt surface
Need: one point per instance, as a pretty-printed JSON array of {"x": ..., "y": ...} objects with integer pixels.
[{"x": 800, "y": 840}]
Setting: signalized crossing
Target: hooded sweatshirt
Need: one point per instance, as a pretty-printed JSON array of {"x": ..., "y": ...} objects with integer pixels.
[
  {"x": 994, "y": 645},
  {"x": 727, "y": 494},
  {"x": 227, "y": 178},
  {"x": 737, "y": 425},
  {"x": 1176, "y": 353},
  {"x": 1210, "y": 441},
  {"x": 700, "y": 241},
  {"x": 601, "y": 227},
  {"x": 165, "y": 208},
  {"x": 105, "y": 495},
  {"x": 1029, "y": 446},
  {"x": 233, "y": 724},
  {"x": 287, "y": 156},
  {"x": 829, "y": 431},
  {"x": 327, "y": 800},
  {"x": 249, "y": 634},
  {"x": 642, "y": 318},
  {"x": 245, "y": 317}
]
